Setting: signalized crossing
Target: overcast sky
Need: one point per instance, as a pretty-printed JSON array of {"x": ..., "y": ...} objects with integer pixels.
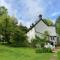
[{"x": 27, "y": 11}]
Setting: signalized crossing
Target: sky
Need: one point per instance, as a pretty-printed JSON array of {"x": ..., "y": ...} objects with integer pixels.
[{"x": 27, "y": 11}]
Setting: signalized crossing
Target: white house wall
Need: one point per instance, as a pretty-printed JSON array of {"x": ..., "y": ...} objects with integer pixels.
[
  {"x": 39, "y": 30},
  {"x": 31, "y": 34},
  {"x": 41, "y": 27},
  {"x": 52, "y": 31}
]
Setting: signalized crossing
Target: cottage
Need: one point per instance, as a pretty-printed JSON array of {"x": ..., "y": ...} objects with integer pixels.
[{"x": 39, "y": 28}]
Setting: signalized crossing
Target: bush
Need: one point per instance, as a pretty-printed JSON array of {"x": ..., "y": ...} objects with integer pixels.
[
  {"x": 33, "y": 43},
  {"x": 43, "y": 50},
  {"x": 38, "y": 42},
  {"x": 19, "y": 39}
]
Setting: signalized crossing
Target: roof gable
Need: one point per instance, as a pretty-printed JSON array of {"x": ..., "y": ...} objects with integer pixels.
[
  {"x": 40, "y": 19},
  {"x": 33, "y": 25}
]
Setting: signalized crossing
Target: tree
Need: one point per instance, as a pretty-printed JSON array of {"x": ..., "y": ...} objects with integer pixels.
[
  {"x": 48, "y": 22},
  {"x": 58, "y": 25},
  {"x": 19, "y": 38},
  {"x": 23, "y": 28},
  {"x": 11, "y": 32},
  {"x": 3, "y": 10},
  {"x": 3, "y": 15}
]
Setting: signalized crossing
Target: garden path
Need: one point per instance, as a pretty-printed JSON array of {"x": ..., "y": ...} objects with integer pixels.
[{"x": 54, "y": 56}]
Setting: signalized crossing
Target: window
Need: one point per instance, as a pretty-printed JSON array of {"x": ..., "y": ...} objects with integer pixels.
[{"x": 52, "y": 37}]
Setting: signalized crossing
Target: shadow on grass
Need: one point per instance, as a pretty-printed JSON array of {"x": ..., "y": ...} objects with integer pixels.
[{"x": 14, "y": 46}]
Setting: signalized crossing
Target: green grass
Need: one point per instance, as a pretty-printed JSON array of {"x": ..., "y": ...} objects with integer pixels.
[
  {"x": 58, "y": 55},
  {"x": 10, "y": 53}
]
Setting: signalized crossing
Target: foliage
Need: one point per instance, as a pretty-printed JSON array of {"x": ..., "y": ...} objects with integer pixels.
[
  {"x": 3, "y": 23},
  {"x": 33, "y": 43},
  {"x": 3, "y": 10},
  {"x": 7, "y": 28},
  {"x": 40, "y": 42},
  {"x": 19, "y": 38},
  {"x": 46, "y": 34},
  {"x": 58, "y": 25},
  {"x": 48, "y": 22},
  {"x": 11, "y": 32},
  {"x": 43, "y": 50},
  {"x": 23, "y": 28}
]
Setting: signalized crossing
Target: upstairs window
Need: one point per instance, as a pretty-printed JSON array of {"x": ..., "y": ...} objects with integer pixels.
[{"x": 52, "y": 37}]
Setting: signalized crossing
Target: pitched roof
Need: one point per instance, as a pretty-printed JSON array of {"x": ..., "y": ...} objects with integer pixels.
[{"x": 33, "y": 25}]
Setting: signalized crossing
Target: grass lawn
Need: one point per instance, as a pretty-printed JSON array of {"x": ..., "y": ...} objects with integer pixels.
[
  {"x": 58, "y": 55},
  {"x": 10, "y": 53}
]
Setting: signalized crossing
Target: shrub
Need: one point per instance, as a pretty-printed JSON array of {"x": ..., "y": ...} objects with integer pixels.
[
  {"x": 43, "y": 50},
  {"x": 33, "y": 43},
  {"x": 19, "y": 39},
  {"x": 38, "y": 42}
]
